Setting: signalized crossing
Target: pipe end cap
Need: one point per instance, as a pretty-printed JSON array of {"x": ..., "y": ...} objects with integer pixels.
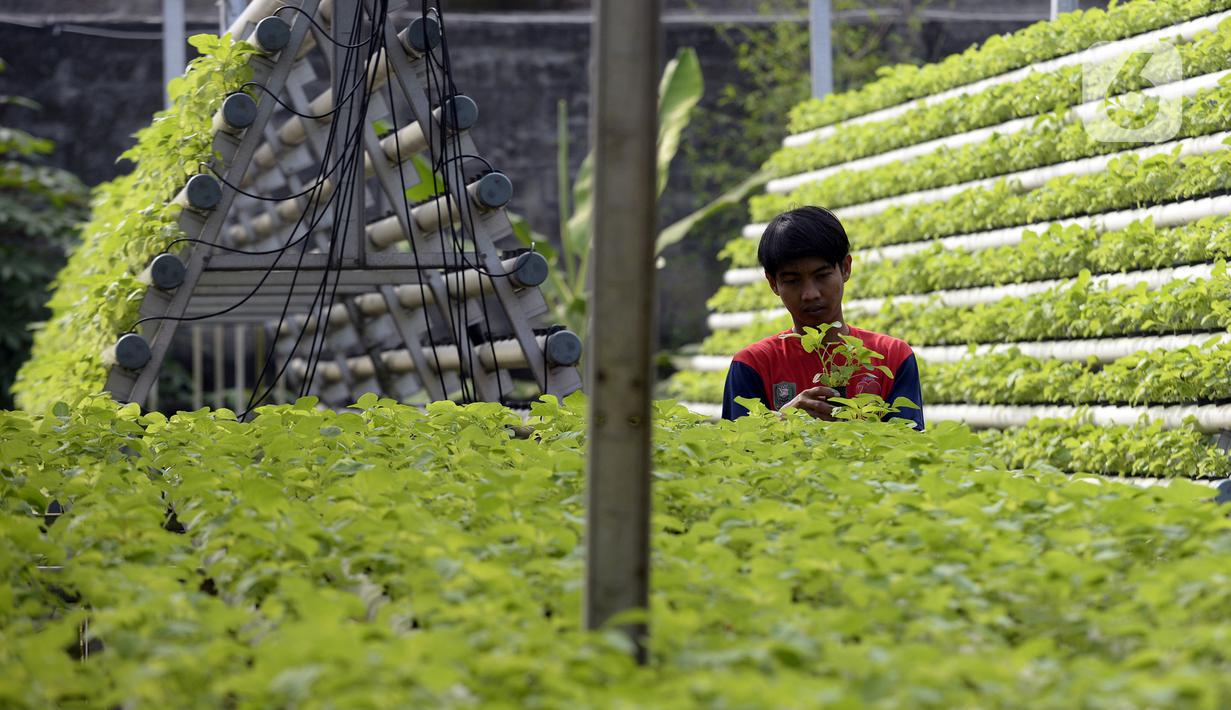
[
  {"x": 459, "y": 113},
  {"x": 563, "y": 349},
  {"x": 239, "y": 110},
  {"x": 272, "y": 34},
  {"x": 167, "y": 271},
  {"x": 132, "y": 352},
  {"x": 530, "y": 269},
  {"x": 494, "y": 190},
  {"x": 204, "y": 192},
  {"x": 423, "y": 34}
]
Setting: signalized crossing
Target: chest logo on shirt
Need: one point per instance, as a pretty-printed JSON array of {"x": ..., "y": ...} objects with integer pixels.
[{"x": 784, "y": 392}]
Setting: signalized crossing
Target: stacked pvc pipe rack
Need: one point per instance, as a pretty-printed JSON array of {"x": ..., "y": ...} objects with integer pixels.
[{"x": 396, "y": 280}]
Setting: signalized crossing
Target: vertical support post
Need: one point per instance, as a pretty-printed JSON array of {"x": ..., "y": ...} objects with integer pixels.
[
  {"x": 820, "y": 26},
  {"x": 198, "y": 368},
  {"x": 173, "y": 43},
  {"x": 220, "y": 366},
  {"x": 349, "y": 208},
  {"x": 1059, "y": 7},
  {"x": 240, "y": 355},
  {"x": 258, "y": 358},
  {"x": 280, "y": 396},
  {"x": 623, "y": 132}
]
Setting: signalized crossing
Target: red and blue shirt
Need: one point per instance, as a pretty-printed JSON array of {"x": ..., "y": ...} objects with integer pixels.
[{"x": 777, "y": 368}]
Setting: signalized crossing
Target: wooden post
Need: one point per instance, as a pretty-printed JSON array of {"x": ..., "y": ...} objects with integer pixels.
[{"x": 623, "y": 134}]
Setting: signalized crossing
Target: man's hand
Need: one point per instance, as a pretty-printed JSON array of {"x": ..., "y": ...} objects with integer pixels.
[{"x": 814, "y": 402}]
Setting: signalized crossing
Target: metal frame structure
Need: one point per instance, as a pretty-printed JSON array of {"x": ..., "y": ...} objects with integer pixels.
[{"x": 397, "y": 277}]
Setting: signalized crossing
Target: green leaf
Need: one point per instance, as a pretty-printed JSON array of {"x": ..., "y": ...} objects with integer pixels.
[
  {"x": 679, "y": 229},
  {"x": 679, "y": 90}
]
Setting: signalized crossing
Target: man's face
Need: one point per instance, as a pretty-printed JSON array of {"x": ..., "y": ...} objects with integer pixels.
[{"x": 811, "y": 289}]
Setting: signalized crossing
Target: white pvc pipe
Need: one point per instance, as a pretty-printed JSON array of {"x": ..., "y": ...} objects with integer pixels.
[
  {"x": 508, "y": 354},
  {"x": 705, "y": 409},
  {"x": 1210, "y": 418},
  {"x": 731, "y": 321},
  {"x": 1184, "y": 32},
  {"x": 415, "y": 295},
  {"x": 1153, "y": 278},
  {"x": 1027, "y": 180},
  {"x": 1170, "y": 215},
  {"x": 1105, "y": 350},
  {"x": 254, "y": 13},
  {"x": 428, "y": 217},
  {"x": 258, "y": 10},
  {"x": 1081, "y": 112}
]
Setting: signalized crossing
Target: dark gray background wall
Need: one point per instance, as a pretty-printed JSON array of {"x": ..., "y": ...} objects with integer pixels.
[{"x": 95, "y": 67}]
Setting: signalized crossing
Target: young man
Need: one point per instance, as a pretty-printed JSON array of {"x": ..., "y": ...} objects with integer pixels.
[{"x": 807, "y": 261}]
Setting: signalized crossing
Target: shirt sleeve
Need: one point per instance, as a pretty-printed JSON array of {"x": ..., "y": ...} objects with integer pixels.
[
  {"x": 742, "y": 381},
  {"x": 906, "y": 384}
]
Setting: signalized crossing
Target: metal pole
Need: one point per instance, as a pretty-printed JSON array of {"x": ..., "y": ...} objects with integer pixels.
[
  {"x": 220, "y": 366},
  {"x": 173, "y": 43},
  {"x": 1059, "y": 7},
  {"x": 198, "y": 368},
  {"x": 228, "y": 12},
  {"x": 623, "y": 132},
  {"x": 258, "y": 359},
  {"x": 820, "y": 27},
  {"x": 240, "y": 375}
]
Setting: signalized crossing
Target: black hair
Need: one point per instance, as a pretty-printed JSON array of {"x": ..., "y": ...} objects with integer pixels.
[{"x": 802, "y": 233}]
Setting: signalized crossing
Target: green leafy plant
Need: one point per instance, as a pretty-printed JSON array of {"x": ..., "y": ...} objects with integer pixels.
[
  {"x": 839, "y": 361},
  {"x": 1140, "y": 450},
  {"x": 430, "y": 558},
  {"x": 1191, "y": 375},
  {"x": 1129, "y": 181},
  {"x": 1046, "y": 94},
  {"x": 1069, "y": 33},
  {"x": 1060, "y": 251},
  {"x": 1078, "y": 309},
  {"x": 1055, "y": 138},
  {"x": 97, "y": 293}
]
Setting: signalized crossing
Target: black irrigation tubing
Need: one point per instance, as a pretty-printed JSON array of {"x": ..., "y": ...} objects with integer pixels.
[
  {"x": 319, "y": 209},
  {"x": 459, "y": 315},
  {"x": 468, "y": 218},
  {"x": 449, "y": 89},
  {"x": 346, "y": 187},
  {"x": 325, "y": 32},
  {"x": 413, "y": 248}
]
